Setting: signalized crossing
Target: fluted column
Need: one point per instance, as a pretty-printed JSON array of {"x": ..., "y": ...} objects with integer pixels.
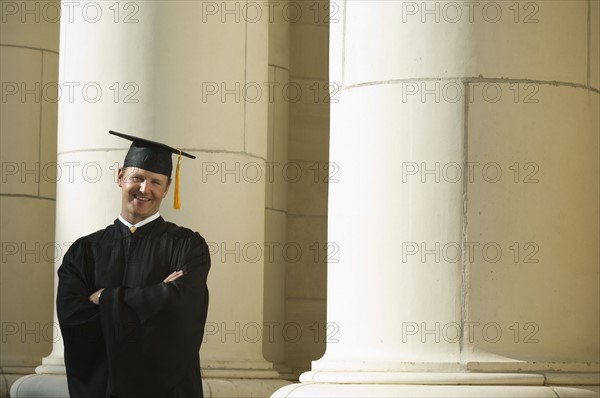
[
  {"x": 466, "y": 207},
  {"x": 176, "y": 72}
]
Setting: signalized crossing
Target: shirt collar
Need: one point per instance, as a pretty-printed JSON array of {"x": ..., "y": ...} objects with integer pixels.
[{"x": 141, "y": 223}]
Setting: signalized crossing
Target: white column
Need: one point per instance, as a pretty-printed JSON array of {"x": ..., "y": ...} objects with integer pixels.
[
  {"x": 174, "y": 72},
  {"x": 466, "y": 211}
]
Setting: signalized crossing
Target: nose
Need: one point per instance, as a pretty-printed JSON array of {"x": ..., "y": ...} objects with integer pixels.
[{"x": 143, "y": 186}]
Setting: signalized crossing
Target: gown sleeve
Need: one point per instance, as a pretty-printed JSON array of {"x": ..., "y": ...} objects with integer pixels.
[
  {"x": 153, "y": 333},
  {"x": 79, "y": 319}
]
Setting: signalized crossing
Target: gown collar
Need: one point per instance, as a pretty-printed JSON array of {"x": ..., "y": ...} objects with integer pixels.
[{"x": 141, "y": 223}]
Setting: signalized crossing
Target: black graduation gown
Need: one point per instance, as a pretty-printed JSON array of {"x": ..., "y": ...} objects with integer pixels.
[{"x": 143, "y": 339}]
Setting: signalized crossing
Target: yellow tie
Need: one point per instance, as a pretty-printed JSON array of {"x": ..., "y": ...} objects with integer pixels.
[{"x": 132, "y": 229}]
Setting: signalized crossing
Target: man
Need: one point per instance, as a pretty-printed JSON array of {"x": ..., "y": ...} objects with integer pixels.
[{"x": 132, "y": 298}]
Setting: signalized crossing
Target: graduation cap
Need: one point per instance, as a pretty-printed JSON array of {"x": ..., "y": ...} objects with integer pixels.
[{"x": 153, "y": 156}]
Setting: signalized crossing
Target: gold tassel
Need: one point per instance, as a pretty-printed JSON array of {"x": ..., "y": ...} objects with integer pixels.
[{"x": 177, "y": 203}]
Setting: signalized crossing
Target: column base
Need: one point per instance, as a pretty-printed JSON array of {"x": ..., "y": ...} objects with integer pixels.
[
  {"x": 433, "y": 384},
  {"x": 245, "y": 370},
  {"x": 454, "y": 378},
  {"x": 40, "y": 386},
  {"x": 429, "y": 391},
  {"x": 243, "y": 379},
  {"x": 55, "y": 386},
  {"x": 9, "y": 375},
  {"x": 242, "y": 387}
]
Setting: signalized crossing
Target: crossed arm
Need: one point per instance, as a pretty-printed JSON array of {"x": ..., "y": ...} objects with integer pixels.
[{"x": 95, "y": 297}]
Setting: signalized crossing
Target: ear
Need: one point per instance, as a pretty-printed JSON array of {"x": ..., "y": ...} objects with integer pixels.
[
  {"x": 120, "y": 177},
  {"x": 167, "y": 188}
]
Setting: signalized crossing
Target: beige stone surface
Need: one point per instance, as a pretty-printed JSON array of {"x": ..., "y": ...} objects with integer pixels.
[
  {"x": 377, "y": 210},
  {"x": 308, "y": 183},
  {"x": 307, "y": 331},
  {"x": 87, "y": 175},
  {"x": 20, "y": 120},
  {"x": 309, "y": 118},
  {"x": 306, "y": 269},
  {"x": 7, "y": 380},
  {"x": 309, "y": 51},
  {"x": 40, "y": 386},
  {"x": 577, "y": 391},
  {"x": 256, "y": 74},
  {"x": 275, "y": 202},
  {"x": 275, "y": 171},
  {"x": 382, "y": 390},
  {"x": 179, "y": 98},
  {"x": 450, "y": 39},
  {"x": 279, "y": 33},
  {"x": 240, "y": 387},
  {"x": 49, "y": 120},
  {"x": 274, "y": 296},
  {"x": 34, "y": 24},
  {"x": 378, "y": 124},
  {"x": 573, "y": 379},
  {"x": 28, "y": 253},
  {"x": 313, "y": 13},
  {"x": 26, "y": 204},
  {"x": 594, "y": 44},
  {"x": 270, "y": 138},
  {"x": 538, "y": 224},
  {"x": 307, "y": 96}
]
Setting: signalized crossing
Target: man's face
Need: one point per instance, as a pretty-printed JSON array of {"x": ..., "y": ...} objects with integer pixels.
[{"x": 142, "y": 191}]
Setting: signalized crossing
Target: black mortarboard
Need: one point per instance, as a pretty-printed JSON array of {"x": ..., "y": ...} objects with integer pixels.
[{"x": 153, "y": 156}]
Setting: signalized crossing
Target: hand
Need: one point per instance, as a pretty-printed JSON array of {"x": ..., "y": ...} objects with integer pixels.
[
  {"x": 173, "y": 276},
  {"x": 95, "y": 297}
]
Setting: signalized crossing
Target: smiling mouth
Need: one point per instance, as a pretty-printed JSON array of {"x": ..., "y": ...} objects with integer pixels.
[{"x": 141, "y": 198}]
